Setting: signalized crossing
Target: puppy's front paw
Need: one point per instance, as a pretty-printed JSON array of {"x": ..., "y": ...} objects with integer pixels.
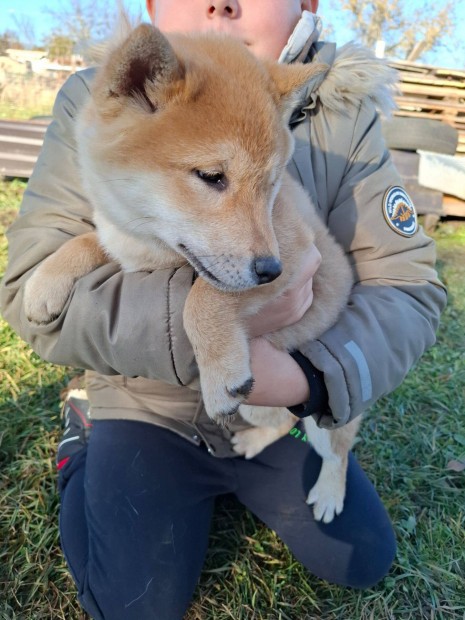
[
  {"x": 45, "y": 297},
  {"x": 223, "y": 392}
]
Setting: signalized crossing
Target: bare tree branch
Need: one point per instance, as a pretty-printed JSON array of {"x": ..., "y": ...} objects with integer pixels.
[
  {"x": 407, "y": 31},
  {"x": 83, "y": 21},
  {"x": 25, "y": 28}
]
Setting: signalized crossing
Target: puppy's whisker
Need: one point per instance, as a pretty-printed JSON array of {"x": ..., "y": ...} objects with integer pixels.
[
  {"x": 141, "y": 220},
  {"x": 113, "y": 180},
  {"x": 142, "y": 217},
  {"x": 206, "y": 256},
  {"x": 220, "y": 261},
  {"x": 186, "y": 264}
]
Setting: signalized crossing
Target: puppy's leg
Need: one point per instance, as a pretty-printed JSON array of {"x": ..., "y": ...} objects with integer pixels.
[
  {"x": 271, "y": 423},
  {"x": 328, "y": 493},
  {"x": 213, "y": 325},
  {"x": 49, "y": 287}
]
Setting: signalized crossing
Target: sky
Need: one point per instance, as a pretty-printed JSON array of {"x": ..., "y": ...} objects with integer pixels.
[{"x": 42, "y": 23}]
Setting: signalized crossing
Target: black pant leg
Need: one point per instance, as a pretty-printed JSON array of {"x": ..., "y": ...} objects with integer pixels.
[
  {"x": 135, "y": 520},
  {"x": 356, "y": 549}
]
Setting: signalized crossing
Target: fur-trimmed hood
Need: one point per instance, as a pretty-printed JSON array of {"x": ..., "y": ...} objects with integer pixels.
[{"x": 355, "y": 73}]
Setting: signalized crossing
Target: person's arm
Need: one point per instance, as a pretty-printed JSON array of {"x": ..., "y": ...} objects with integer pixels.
[
  {"x": 281, "y": 378},
  {"x": 114, "y": 323},
  {"x": 394, "y": 309}
]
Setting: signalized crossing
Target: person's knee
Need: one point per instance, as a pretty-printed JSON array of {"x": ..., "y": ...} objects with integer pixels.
[
  {"x": 371, "y": 562},
  {"x": 89, "y": 604}
]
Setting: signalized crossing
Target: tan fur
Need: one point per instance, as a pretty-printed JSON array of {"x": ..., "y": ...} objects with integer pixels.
[{"x": 163, "y": 114}]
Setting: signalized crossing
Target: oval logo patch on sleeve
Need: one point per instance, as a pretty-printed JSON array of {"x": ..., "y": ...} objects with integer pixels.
[{"x": 399, "y": 211}]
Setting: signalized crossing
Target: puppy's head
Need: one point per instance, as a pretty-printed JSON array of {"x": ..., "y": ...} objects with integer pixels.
[{"x": 185, "y": 140}]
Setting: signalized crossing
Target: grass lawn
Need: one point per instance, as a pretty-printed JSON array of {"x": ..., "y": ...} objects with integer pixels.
[
  {"x": 12, "y": 112},
  {"x": 408, "y": 445}
]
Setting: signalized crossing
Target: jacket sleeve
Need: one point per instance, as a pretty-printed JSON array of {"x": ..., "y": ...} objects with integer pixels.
[
  {"x": 114, "y": 322},
  {"x": 397, "y": 299}
]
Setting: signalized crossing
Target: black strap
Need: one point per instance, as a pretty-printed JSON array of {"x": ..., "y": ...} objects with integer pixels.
[{"x": 319, "y": 399}]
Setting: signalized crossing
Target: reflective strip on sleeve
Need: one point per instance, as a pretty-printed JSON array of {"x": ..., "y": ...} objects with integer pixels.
[{"x": 363, "y": 370}]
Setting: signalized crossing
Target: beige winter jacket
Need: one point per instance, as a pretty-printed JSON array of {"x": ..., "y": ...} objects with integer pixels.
[{"x": 127, "y": 327}]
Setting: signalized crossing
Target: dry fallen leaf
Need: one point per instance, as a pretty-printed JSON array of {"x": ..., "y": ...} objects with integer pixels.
[{"x": 456, "y": 465}]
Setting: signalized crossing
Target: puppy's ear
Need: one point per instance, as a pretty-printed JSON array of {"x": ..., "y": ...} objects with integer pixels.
[
  {"x": 137, "y": 69},
  {"x": 291, "y": 81}
]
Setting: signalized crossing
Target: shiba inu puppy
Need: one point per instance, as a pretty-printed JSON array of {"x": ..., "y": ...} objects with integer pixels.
[{"x": 183, "y": 147}]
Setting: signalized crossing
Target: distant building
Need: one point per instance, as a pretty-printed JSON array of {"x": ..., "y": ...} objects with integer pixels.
[
  {"x": 36, "y": 62},
  {"x": 9, "y": 65},
  {"x": 24, "y": 56}
]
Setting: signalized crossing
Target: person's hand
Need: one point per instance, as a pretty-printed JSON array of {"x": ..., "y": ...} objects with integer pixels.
[
  {"x": 278, "y": 379},
  {"x": 289, "y": 307}
]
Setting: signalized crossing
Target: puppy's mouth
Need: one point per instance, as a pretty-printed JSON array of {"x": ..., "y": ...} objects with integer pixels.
[{"x": 198, "y": 265}]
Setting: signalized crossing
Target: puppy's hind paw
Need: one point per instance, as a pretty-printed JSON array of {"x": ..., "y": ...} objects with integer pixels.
[
  {"x": 249, "y": 442},
  {"x": 252, "y": 441},
  {"x": 327, "y": 503}
]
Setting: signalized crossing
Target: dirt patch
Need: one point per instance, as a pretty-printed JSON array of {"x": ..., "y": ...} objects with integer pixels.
[{"x": 7, "y": 217}]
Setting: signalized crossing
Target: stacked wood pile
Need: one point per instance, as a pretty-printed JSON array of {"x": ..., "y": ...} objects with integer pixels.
[{"x": 432, "y": 93}]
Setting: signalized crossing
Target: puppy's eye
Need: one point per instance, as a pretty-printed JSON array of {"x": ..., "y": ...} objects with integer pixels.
[{"x": 214, "y": 179}]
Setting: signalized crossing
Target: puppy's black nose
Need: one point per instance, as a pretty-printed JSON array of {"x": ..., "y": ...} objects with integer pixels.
[{"x": 267, "y": 269}]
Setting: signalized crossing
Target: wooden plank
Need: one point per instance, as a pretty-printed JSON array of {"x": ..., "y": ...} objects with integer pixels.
[
  {"x": 440, "y": 73},
  {"x": 450, "y": 118},
  {"x": 431, "y": 81},
  {"x": 453, "y": 72},
  {"x": 410, "y": 67},
  {"x": 20, "y": 143},
  {"x": 453, "y": 206},
  {"x": 420, "y": 89},
  {"x": 415, "y": 67},
  {"x": 430, "y": 103},
  {"x": 453, "y": 121}
]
